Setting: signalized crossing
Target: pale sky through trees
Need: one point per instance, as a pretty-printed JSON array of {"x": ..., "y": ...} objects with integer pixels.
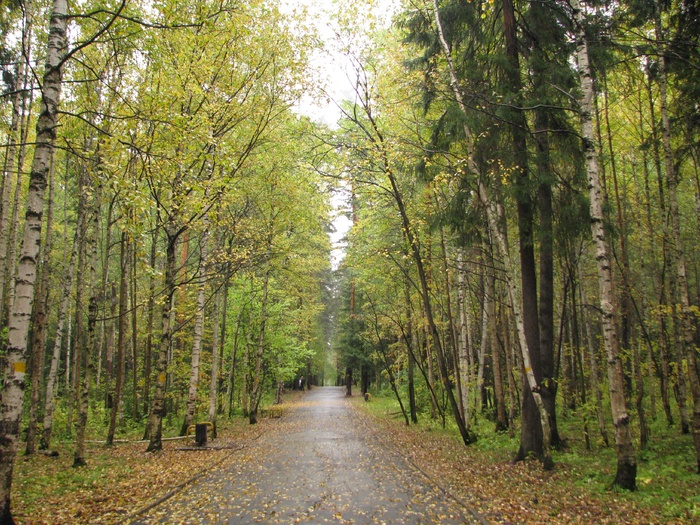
[{"x": 336, "y": 79}]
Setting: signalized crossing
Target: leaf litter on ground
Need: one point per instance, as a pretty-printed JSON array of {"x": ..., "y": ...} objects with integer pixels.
[{"x": 124, "y": 479}]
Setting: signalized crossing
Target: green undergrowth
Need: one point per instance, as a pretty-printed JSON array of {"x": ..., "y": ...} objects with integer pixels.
[{"x": 667, "y": 482}]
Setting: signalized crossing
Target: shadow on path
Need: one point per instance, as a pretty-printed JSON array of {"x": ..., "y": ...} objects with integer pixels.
[{"x": 320, "y": 464}]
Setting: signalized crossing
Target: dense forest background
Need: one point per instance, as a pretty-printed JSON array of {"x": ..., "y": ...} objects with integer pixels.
[{"x": 521, "y": 179}]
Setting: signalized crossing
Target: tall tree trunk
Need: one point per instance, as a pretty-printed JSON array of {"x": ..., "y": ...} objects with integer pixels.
[
  {"x": 121, "y": 336},
  {"x": 39, "y": 324},
  {"x": 626, "y": 460},
  {"x": 16, "y": 143},
  {"x": 231, "y": 383},
  {"x": 494, "y": 220},
  {"x": 256, "y": 390},
  {"x": 464, "y": 342},
  {"x": 134, "y": 335},
  {"x": 484, "y": 343},
  {"x": 531, "y": 440},
  {"x": 501, "y": 421},
  {"x": 157, "y": 412},
  {"x": 89, "y": 346},
  {"x": 452, "y": 331},
  {"x": 214, "y": 376},
  {"x": 148, "y": 352},
  {"x": 191, "y": 409},
  {"x": 410, "y": 345},
  {"x": 684, "y": 319},
  {"x": 664, "y": 373},
  {"x": 12, "y": 393},
  {"x": 245, "y": 372},
  {"x": 510, "y": 365}
]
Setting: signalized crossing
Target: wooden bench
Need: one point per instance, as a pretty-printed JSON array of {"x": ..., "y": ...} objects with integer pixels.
[{"x": 273, "y": 411}]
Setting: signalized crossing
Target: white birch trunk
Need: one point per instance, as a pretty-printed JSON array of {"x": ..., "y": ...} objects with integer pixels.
[
  {"x": 191, "y": 409},
  {"x": 214, "y": 377},
  {"x": 464, "y": 361},
  {"x": 12, "y": 394},
  {"x": 626, "y": 461}
]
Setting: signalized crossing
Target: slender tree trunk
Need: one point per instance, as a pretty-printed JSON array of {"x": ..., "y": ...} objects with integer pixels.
[
  {"x": 493, "y": 216},
  {"x": 684, "y": 319},
  {"x": 74, "y": 357},
  {"x": 501, "y": 421},
  {"x": 464, "y": 346},
  {"x": 12, "y": 393},
  {"x": 507, "y": 349},
  {"x": 39, "y": 324},
  {"x": 155, "y": 419},
  {"x": 214, "y": 376},
  {"x": 231, "y": 386},
  {"x": 222, "y": 340},
  {"x": 593, "y": 362},
  {"x": 16, "y": 143},
  {"x": 134, "y": 336},
  {"x": 89, "y": 346},
  {"x": 191, "y": 409},
  {"x": 147, "y": 356},
  {"x": 626, "y": 460},
  {"x": 452, "y": 331},
  {"x": 246, "y": 362},
  {"x": 664, "y": 373},
  {"x": 479, "y": 387},
  {"x": 121, "y": 337},
  {"x": 431, "y": 376},
  {"x": 256, "y": 391},
  {"x": 410, "y": 345}
]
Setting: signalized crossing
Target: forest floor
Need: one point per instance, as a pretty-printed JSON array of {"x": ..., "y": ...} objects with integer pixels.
[{"x": 122, "y": 481}]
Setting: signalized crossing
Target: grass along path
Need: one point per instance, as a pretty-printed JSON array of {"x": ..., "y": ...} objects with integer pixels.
[{"x": 574, "y": 493}]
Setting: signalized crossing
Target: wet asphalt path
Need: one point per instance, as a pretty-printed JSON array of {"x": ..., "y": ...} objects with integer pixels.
[{"x": 320, "y": 464}]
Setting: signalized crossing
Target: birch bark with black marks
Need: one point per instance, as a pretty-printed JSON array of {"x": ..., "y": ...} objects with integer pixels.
[
  {"x": 626, "y": 460},
  {"x": 12, "y": 393}
]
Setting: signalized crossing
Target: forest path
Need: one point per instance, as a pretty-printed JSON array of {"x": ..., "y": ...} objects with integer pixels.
[{"x": 320, "y": 464}]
